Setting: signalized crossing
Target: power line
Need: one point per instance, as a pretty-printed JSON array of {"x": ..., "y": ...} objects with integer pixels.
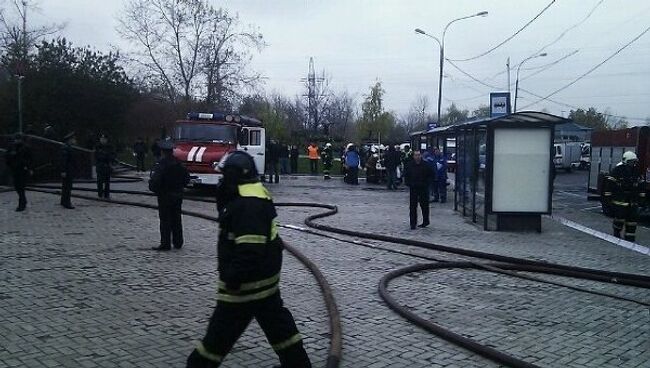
[
  {"x": 509, "y": 38},
  {"x": 535, "y": 95},
  {"x": 591, "y": 12},
  {"x": 592, "y": 69},
  {"x": 547, "y": 66}
]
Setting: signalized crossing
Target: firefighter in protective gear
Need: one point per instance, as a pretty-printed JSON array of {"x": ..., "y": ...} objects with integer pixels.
[
  {"x": 250, "y": 259},
  {"x": 624, "y": 188},
  {"x": 328, "y": 157}
]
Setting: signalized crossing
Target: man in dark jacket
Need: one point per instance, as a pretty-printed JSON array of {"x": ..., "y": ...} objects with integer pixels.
[
  {"x": 250, "y": 262},
  {"x": 19, "y": 161},
  {"x": 68, "y": 168},
  {"x": 275, "y": 151},
  {"x": 104, "y": 157},
  {"x": 139, "y": 150},
  {"x": 284, "y": 159},
  {"x": 392, "y": 161},
  {"x": 168, "y": 180},
  {"x": 293, "y": 154},
  {"x": 418, "y": 178},
  {"x": 624, "y": 187},
  {"x": 155, "y": 150}
]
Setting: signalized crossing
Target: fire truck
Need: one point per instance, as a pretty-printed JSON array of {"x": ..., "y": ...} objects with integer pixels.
[
  {"x": 202, "y": 139},
  {"x": 607, "y": 148}
]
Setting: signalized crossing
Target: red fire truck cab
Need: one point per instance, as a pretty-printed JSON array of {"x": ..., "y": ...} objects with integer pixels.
[
  {"x": 607, "y": 148},
  {"x": 202, "y": 139}
]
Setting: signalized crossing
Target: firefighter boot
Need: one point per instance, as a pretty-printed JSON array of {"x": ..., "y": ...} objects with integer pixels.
[
  {"x": 196, "y": 360},
  {"x": 630, "y": 231},
  {"x": 618, "y": 227}
]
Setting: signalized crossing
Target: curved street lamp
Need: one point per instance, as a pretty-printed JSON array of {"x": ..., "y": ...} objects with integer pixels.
[
  {"x": 517, "y": 80},
  {"x": 442, "y": 51}
]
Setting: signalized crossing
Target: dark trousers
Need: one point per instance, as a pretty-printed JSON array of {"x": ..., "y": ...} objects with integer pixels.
[
  {"x": 229, "y": 321},
  {"x": 625, "y": 218},
  {"x": 294, "y": 165},
  {"x": 103, "y": 186},
  {"x": 352, "y": 175},
  {"x": 439, "y": 190},
  {"x": 171, "y": 226},
  {"x": 418, "y": 195},
  {"x": 274, "y": 172},
  {"x": 313, "y": 166},
  {"x": 20, "y": 182},
  {"x": 139, "y": 161},
  {"x": 66, "y": 190},
  {"x": 391, "y": 175},
  {"x": 327, "y": 168},
  {"x": 284, "y": 165}
]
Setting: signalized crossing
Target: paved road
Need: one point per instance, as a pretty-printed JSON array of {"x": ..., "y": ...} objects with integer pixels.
[{"x": 80, "y": 289}]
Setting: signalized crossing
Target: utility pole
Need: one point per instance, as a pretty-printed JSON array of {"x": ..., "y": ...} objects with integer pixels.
[
  {"x": 508, "y": 70},
  {"x": 20, "y": 67},
  {"x": 313, "y": 92}
]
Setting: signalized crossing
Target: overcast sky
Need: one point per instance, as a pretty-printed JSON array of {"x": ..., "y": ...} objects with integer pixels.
[{"x": 359, "y": 41}]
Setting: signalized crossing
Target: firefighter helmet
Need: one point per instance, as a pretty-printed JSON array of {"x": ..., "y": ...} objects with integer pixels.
[
  {"x": 629, "y": 156},
  {"x": 238, "y": 167}
]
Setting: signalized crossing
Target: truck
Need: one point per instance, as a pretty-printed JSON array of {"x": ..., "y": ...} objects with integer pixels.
[
  {"x": 567, "y": 155},
  {"x": 201, "y": 140},
  {"x": 607, "y": 148}
]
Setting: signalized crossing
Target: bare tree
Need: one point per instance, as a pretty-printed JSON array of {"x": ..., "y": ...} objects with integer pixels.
[
  {"x": 417, "y": 117},
  {"x": 188, "y": 47},
  {"x": 17, "y": 37}
]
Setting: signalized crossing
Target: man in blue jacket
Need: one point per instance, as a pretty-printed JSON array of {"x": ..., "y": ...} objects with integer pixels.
[{"x": 440, "y": 181}]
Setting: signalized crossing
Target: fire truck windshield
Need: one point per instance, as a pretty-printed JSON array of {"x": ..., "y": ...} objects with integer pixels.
[{"x": 206, "y": 133}]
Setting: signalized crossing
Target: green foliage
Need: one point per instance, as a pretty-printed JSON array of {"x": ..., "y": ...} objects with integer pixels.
[
  {"x": 72, "y": 89},
  {"x": 374, "y": 121},
  {"x": 598, "y": 121}
]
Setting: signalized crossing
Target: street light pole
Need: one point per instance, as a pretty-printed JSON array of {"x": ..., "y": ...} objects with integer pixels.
[
  {"x": 442, "y": 52},
  {"x": 20, "y": 103},
  {"x": 517, "y": 80}
]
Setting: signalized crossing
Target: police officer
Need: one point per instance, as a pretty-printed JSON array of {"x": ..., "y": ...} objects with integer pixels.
[
  {"x": 624, "y": 188},
  {"x": 68, "y": 167},
  {"x": 250, "y": 259},
  {"x": 328, "y": 157},
  {"x": 104, "y": 157},
  {"x": 19, "y": 161},
  {"x": 167, "y": 181},
  {"x": 418, "y": 177}
]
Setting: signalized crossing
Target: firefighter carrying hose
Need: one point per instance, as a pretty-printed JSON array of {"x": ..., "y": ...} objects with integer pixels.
[
  {"x": 250, "y": 259},
  {"x": 623, "y": 186}
]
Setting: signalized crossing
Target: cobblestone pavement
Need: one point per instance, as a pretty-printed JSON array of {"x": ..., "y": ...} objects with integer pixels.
[{"x": 82, "y": 291}]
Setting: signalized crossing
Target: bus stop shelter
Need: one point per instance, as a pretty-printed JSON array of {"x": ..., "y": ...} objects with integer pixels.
[{"x": 505, "y": 170}]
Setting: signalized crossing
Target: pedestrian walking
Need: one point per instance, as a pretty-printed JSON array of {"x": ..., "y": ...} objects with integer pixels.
[
  {"x": 168, "y": 180},
  {"x": 312, "y": 153},
  {"x": 19, "y": 161},
  {"x": 293, "y": 156},
  {"x": 250, "y": 262},
  {"x": 391, "y": 161},
  {"x": 418, "y": 178},
  {"x": 139, "y": 151},
  {"x": 104, "y": 158},
  {"x": 284, "y": 159},
  {"x": 352, "y": 162},
  {"x": 68, "y": 169},
  {"x": 440, "y": 186},
  {"x": 328, "y": 157},
  {"x": 624, "y": 187}
]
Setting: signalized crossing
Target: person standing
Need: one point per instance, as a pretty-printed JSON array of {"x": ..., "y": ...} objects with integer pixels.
[
  {"x": 68, "y": 168},
  {"x": 155, "y": 150},
  {"x": 250, "y": 262},
  {"x": 284, "y": 159},
  {"x": 139, "y": 151},
  {"x": 623, "y": 186},
  {"x": 104, "y": 157},
  {"x": 19, "y": 161},
  {"x": 440, "y": 186},
  {"x": 312, "y": 153},
  {"x": 168, "y": 180},
  {"x": 293, "y": 155},
  {"x": 352, "y": 162},
  {"x": 418, "y": 178},
  {"x": 274, "y": 161},
  {"x": 392, "y": 160},
  {"x": 328, "y": 157}
]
